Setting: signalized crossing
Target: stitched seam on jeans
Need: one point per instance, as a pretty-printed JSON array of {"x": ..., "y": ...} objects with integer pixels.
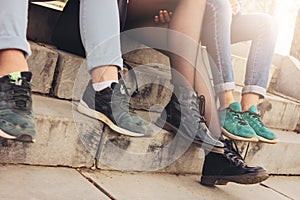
[
  {"x": 254, "y": 63},
  {"x": 82, "y": 22},
  {"x": 216, "y": 36}
]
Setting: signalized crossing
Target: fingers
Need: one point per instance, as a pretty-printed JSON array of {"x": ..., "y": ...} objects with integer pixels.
[
  {"x": 167, "y": 16},
  {"x": 162, "y": 17},
  {"x": 156, "y": 19}
]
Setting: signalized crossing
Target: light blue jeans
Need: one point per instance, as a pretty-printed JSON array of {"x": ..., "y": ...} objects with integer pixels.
[
  {"x": 13, "y": 25},
  {"x": 100, "y": 32},
  {"x": 102, "y": 45},
  {"x": 220, "y": 29}
]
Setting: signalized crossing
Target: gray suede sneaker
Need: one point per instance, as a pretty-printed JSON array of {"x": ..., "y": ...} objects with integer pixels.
[
  {"x": 112, "y": 107},
  {"x": 16, "y": 116}
]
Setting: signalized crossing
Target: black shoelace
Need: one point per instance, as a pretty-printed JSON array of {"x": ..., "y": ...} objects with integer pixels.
[
  {"x": 196, "y": 113},
  {"x": 232, "y": 153},
  {"x": 238, "y": 115},
  {"x": 201, "y": 102},
  {"x": 256, "y": 116},
  {"x": 20, "y": 94}
]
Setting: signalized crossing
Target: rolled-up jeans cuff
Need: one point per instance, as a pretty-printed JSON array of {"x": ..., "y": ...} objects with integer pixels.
[
  {"x": 224, "y": 87},
  {"x": 104, "y": 61},
  {"x": 254, "y": 89},
  {"x": 9, "y": 42}
]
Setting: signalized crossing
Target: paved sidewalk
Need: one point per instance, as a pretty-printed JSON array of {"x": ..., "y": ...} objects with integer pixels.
[{"x": 58, "y": 183}]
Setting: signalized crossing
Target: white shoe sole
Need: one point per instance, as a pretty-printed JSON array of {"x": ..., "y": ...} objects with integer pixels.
[
  {"x": 235, "y": 137},
  {"x": 84, "y": 109}
]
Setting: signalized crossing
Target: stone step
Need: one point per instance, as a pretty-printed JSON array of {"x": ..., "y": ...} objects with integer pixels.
[
  {"x": 67, "y": 138},
  {"x": 277, "y": 112},
  {"x": 58, "y": 142},
  {"x": 276, "y": 158},
  {"x": 153, "y": 79}
]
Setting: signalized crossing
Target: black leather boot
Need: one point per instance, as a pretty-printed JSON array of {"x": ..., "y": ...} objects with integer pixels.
[
  {"x": 219, "y": 169},
  {"x": 182, "y": 116}
]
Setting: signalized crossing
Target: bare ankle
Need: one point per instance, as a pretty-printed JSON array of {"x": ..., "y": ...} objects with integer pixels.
[{"x": 105, "y": 73}]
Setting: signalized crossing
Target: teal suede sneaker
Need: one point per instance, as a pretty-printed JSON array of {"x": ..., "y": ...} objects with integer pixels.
[
  {"x": 234, "y": 126},
  {"x": 254, "y": 120}
]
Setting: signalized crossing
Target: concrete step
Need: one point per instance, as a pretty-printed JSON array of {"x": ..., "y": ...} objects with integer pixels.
[
  {"x": 155, "y": 92},
  {"x": 67, "y": 138},
  {"x": 278, "y": 158},
  {"x": 65, "y": 76},
  {"x": 48, "y": 183},
  {"x": 277, "y": 112},
  {"x": 58, "y": 142},
  {"x": 150, "y": 186}
]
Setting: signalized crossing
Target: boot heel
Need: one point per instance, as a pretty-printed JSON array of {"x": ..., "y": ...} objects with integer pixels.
[{"x": 208, "y": 180}]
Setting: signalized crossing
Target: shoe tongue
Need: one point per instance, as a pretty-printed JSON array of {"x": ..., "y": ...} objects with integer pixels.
[
  {"x": 27, "y": 75},
  {"x": 119, "y": 87},
  {"x": 236, "y": 106},
  {"x": 253, "y": 109},
  {"x": 16, "y": 77}
]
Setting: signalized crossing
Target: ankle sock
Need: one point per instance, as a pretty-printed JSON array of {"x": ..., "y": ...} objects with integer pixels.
[{"x": 102, "y": 85}]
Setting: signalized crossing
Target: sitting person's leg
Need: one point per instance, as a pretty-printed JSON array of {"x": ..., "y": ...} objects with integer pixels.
[
  {"x": 104, "y": 98},
  {"x": 217, "y": 23},
  {"x": 182, "y": 42},
  {"x": 259, "y": 28},
  {"x": 218, "y": 168},
  {"x": 262, "y": 30},
  {"x": 17, "y": 121}
]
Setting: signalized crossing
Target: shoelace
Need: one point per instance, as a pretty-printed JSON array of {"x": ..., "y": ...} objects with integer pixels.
[
  {"x": 257, "y": 117},
  {"x": 201, "y": 102},
  {"x": 123, "y": 97},
  {"x": 232, "y": 153},
  {"x": 20, "y": 94},
  {"x": 238, "y": 115},
  {"x": 195, "y": 108}
]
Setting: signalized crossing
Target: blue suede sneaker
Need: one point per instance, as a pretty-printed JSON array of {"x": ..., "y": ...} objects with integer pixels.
[
  {"x": 234, "y": 126},
  {"x": 254, "y": 120}
]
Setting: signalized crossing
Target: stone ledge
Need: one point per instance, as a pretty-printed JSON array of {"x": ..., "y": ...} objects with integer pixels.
[
  {"x": 277, "y": 158},
  {"x": 277, "y": 112},
  {"x": 58, "y": 143},
  {"x": 42, "y": 64},
  {"x": 67, "y": 138},
  {"x": 288, "y": 79}
]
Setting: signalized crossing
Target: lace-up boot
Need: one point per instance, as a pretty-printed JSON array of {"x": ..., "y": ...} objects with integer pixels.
[
  {"x": 182, "y": 116},
  {"x": 219, "y": 169}
]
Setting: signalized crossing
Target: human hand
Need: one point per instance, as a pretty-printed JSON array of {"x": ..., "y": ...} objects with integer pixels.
[
  {"x": 163, "y": 17},
  {"x": 235, "y": 6}
]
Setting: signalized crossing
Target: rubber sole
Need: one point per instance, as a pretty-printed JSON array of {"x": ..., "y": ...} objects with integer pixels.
[
  {"x": 84, "y": 109},
  {"x": 235, "y": 137},
  {"x": 262, "y": 139},
  {"x": 252, "y": 178},
  {"x": 169, "y": 127},
  {"x": 21, "y": 138}
]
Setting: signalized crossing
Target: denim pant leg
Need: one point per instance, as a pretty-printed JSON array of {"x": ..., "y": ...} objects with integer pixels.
[
  {"x": 262, "y": 30},
  {"x": 13, "y": 25},
  {"x": 100, "y": 32},
  {"x": 216, "y": 37}
]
